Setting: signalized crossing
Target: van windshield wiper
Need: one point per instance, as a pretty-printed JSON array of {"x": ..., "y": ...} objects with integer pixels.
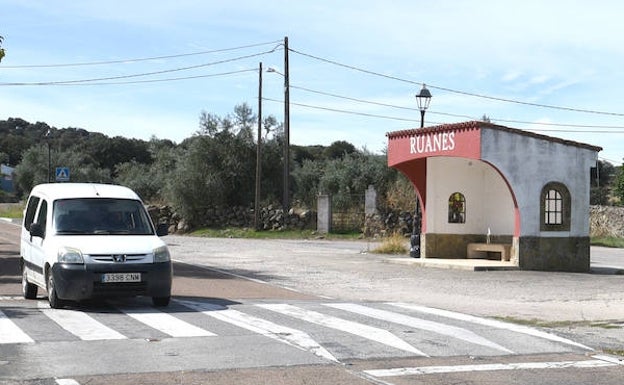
[{"x": 72, "y": 232}]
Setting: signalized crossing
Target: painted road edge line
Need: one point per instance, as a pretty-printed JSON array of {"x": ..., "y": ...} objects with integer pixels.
[{"x": 415, "y": 371}]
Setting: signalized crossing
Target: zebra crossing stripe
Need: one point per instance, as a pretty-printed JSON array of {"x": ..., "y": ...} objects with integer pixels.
[
  {"x": 290, "y": 336},
  {"x": 417, "y": 323},
  {"x": 166, "y": 323},
  {"x": 490, "y": 322},
  {"x": 358, "y": 329},
  {"x": 66, "y": 381},
  {"x": 79, "y": 324},
  {"x": 10, "y": 333}
]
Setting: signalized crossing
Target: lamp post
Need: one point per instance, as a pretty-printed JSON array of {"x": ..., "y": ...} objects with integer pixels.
[
  {"x": 423, "y": 99},
  {"x": 47, "y": 135}
]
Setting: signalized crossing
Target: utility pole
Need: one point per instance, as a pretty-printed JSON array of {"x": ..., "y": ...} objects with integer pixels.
[
  {"x": 286, "y": 199},
  {"x": 258, "y": 152}
]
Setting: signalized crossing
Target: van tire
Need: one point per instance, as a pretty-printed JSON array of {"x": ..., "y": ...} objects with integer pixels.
[
  {"x": 53, "y": 299},
  {"x": 161, "y": 301},
  {"x": 28, "y": 289}
]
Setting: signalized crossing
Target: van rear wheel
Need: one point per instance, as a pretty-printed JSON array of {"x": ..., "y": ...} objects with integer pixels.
[
  {"x": 28, "y": 289},
  {"x": 53, "y": 299}
]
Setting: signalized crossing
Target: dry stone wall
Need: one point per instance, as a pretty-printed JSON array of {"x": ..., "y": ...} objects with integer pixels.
[{"x": 606, "y": 221}]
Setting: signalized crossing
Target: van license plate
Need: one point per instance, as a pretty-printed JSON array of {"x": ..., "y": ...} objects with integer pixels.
[{"x": 121, "y": 277}]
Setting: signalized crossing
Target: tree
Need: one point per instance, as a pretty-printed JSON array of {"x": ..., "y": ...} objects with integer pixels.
[
  {"x": 33, "y": 169},
  {"x": 602, "y": 179},
  {"x": 619, "y": 185},
  {"x": 1, "y": 49},
  {"x": 339, "y": 149}
]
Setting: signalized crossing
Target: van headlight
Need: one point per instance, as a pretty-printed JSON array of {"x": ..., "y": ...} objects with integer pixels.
[
  {"x": 69, "y": 255},
  {"x": 161, "y": 254}
]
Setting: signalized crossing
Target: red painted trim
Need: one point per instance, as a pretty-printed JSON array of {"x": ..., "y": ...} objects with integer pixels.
[{"x": 463, "y": 143}]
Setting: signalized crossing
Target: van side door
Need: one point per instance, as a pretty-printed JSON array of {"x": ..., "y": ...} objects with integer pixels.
[
  {"x": 37, "y": 257},
  {"x": 29, "y": 218}
]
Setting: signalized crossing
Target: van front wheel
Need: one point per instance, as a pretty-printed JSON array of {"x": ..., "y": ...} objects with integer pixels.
[
  {"x": 28, "y": 289},
  {"x": 53, "y": 299}
]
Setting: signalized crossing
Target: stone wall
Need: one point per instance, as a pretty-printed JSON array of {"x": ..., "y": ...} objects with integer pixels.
[
  {"x": 271, "y": 218},
  {"x": 606, "y": 221},
  {"x": 389, "y": 222}
]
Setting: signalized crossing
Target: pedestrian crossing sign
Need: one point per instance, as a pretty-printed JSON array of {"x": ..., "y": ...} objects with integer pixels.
[{"x": 62, "y": 174}]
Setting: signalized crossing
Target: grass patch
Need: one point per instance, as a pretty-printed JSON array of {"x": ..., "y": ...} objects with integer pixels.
[
  {"x": 615, "y": 352},
  {"x": 608, "y": 242},
  {"x": 543, "y": 324},
  {"x": 248, "y": 233},
  {"x": 11, "y": 210},
  {"x": 560, "y": 324},
  {"x": 394, "y": 244}
]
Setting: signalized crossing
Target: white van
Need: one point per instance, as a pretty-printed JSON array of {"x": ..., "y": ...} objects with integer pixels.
[{"x": 84, "y": 240}]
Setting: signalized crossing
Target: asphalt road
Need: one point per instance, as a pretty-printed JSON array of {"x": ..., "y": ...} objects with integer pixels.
[{"x": 243, "y": 280}]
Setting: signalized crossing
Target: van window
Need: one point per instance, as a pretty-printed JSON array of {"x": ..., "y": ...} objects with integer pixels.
[
  {"x": 31, "y": 208},
  {"x": 83, "y": 216},
  {"x": 43, "y": 215}
]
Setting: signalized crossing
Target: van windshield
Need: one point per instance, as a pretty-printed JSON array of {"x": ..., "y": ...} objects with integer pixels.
[{"x": 102, "y": 216}]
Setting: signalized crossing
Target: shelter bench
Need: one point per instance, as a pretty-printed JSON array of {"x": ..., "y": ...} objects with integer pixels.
[{"x": 481, "y": 250}]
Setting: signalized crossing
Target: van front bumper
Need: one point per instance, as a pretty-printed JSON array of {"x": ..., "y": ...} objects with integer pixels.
[{"x": 80, "y": 282}]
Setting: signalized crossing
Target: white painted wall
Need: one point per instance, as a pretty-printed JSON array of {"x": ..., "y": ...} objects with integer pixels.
[
  {"x": 488, "y": 200},
  {"x": 529, "y": 163}
]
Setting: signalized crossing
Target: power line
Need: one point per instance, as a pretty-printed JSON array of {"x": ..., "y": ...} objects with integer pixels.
[
  {"x": 152, "y": 80},
  {"x": 344, "y": 111},
  {"x": 462, "y": 116},
  {"x": 455, "y": 91},
  {"x": 72, "y": 82},
  {"x": 135, "y": 60}
]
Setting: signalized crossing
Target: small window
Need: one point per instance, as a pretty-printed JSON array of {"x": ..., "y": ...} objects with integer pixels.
[
  {"x": 555, "y": 207},
  {"x": 42, "y": 216},
  {"x": 457, "y": 208},
  {"x": 31, "y": 209}
]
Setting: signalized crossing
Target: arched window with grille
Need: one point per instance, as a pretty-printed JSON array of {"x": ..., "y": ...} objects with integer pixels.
[
  {"x": 457, "y": 208},
  {"x": 555, "y": 207}
]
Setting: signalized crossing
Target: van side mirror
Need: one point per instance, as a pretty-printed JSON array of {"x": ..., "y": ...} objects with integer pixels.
[
  {"x": 162, "y": 229},
  {"x": 36, "y": 230}
]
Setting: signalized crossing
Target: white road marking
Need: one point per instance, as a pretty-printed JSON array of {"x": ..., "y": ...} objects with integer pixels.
[
  {"x": 358, "y": 329},
  {"x": 79, "y": 324},
  {"x": 491, "y": 323},
  {"x": 417, "y": 323},
  {"x": 281, "y": 333},
  {"x": 66, "y": 381},
  {"x": 166, "y": 323},
  {"x": 10, "y": 333},
  {"x": 414, "y": 371}
]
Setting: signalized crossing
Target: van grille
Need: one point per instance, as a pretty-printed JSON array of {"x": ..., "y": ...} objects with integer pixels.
[{"x": 108, "y": 258}]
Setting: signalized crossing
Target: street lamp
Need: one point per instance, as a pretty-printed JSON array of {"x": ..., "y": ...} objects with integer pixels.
[
  {"x": 47, "y": 135},
  {"x": 423, "y": 99}
]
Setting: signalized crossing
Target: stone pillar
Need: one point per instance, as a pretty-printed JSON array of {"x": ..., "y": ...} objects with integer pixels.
[
  {"x": 324, "y": 216},
  {"x": 370, "y": 201}
]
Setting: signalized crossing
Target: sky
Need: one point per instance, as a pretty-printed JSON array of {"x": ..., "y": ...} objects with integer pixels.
[{"x": 144, "y": 68}]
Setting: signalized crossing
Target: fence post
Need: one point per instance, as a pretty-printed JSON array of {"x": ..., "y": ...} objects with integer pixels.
[
  {"x": 324, "y": 216},
  {"x": 370, "y": 201}
]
